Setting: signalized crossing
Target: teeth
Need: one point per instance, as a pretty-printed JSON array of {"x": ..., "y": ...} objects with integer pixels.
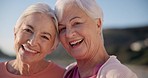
[
  {"x": 27, "y": 49},
  {"x": 75, "y": 42}
]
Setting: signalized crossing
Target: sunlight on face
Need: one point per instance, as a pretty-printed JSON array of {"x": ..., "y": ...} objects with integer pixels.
[{"x": 35, "y": 37}]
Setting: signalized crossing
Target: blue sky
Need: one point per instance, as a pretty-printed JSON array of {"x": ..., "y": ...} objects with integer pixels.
[{"x": 117, "y": 14}]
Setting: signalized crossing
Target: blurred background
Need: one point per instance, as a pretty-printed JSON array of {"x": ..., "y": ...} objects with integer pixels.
[{"x": 125, "y": 30}]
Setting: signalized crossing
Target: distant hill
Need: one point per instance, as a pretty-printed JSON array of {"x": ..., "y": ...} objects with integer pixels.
[
  {"x": 118, "y": 42},
  {"x": 2, "y": 55}
]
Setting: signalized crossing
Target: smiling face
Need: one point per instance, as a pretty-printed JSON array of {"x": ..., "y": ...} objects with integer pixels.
[
  {"x": 79, "y": 34},
  {"x": 35, "y": 37}
]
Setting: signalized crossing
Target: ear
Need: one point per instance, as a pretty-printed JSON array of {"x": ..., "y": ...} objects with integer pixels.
[{"x": 99, "y": 24}]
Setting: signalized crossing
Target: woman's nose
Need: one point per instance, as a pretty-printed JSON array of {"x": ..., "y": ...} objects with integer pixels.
[
  {"x": 33, "y": 41},
  {"x": 70, "y": 33}
]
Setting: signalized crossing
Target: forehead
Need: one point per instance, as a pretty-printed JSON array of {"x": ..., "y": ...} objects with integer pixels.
[
  {"x": 40, "y": 21},
  {"x": 70, "y": 11},
  {"x": 38, "y": 18}
]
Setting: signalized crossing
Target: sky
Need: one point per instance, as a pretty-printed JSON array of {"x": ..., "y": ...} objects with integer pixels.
[{"x": 117, "y": 14}]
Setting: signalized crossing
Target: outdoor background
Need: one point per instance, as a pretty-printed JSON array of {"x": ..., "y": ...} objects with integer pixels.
[{"x": 125, "y": 30}]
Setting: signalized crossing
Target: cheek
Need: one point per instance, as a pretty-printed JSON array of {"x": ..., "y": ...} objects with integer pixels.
[
  {"x": 63, "y": 41},
  {"x": 46, "y": 51},
  {"x": 62, "y": 38},
  {"x": 19, "y": 39},
  {"x": 46, "y": 46}
]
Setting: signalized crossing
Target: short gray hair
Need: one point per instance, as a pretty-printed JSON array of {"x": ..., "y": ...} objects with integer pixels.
[
  {"x": 42, "y": 8},
  {"x": 90, "y": 7}
]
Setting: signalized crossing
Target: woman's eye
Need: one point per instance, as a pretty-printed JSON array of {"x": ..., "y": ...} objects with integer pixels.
[
  {"x": 77, "y": 23},
  {"x": 45, "y": 37},
  {"x": 28, "y": 30},
  {"x": 62, "y": 29}
]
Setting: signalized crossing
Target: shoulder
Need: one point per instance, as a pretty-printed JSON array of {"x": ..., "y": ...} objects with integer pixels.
[
  {"x": 3, "y": 70},
  {"x": 118, "y": 71},
  {"x": 55, "y": 67},
  {"x": 70, "y": 67},
  {"x": 113, "y": 68},
  {"x": 53, "y": 70},
  {"x": 2, "y": 65}
]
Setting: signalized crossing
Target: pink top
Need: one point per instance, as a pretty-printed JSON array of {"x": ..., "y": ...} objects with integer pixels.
[
  {"x": 74, "y": 73},
  {"x": 49, "y": 72},
  {"x": 112, "y": 68}
]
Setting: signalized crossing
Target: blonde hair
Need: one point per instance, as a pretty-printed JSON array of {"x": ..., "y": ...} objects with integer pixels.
[
  {"x": 90, "y": 7},
  {"x": 42, "y": 8}
]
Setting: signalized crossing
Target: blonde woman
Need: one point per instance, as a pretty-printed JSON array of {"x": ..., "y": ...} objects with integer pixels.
[{"x": 35, "y": 36}]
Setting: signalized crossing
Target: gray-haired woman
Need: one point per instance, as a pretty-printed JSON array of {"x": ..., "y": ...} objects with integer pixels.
[
  {"x": 35, "y": 36},
  {"x": 80, "y": 32}
]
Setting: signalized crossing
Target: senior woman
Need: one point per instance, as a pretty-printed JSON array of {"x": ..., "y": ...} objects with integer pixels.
[
  {"x": 80, "y": 32},
  {"x": 35, "y": 36}
]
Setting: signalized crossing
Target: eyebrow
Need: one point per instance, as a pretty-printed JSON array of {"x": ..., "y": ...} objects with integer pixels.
[
  {"x": 46, "y": 33},
  {"x": 74, "y": 18},
  {"x": 30, "y": 26},
  {"x": 69, "y": 20}
]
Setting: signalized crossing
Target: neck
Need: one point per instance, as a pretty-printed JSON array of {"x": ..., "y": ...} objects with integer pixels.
[
  {"x": 86, "y": 66},
  {"x": 19, "y": 68}
]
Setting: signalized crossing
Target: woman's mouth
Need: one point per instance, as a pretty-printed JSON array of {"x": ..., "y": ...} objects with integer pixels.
[
  {"x": 76, "y": 43},
  {"x": 26, "y": 49}
]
